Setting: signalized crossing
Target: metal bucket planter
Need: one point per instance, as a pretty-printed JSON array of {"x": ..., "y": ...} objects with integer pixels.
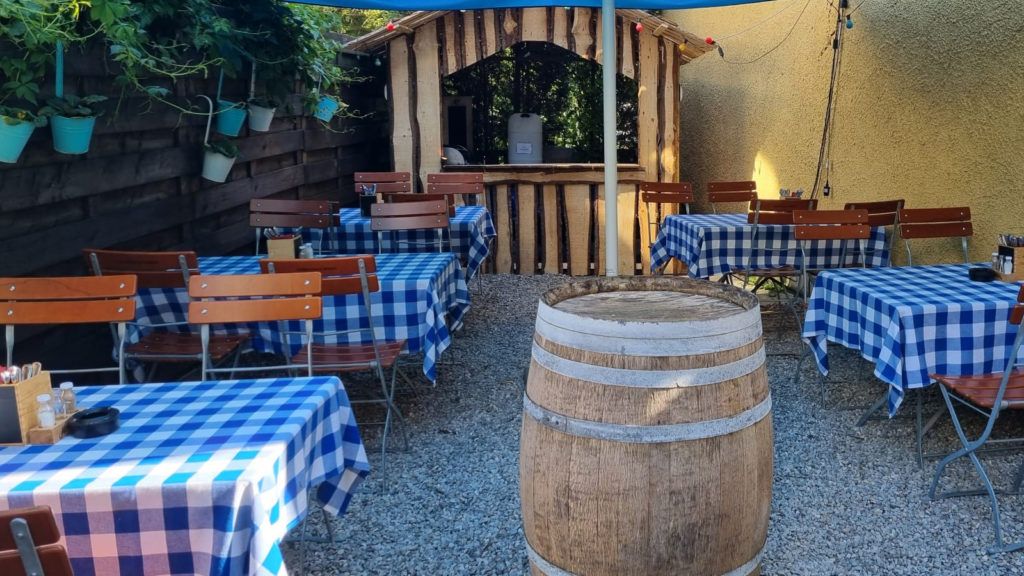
[
  {"x": 326, "y": 108},
  {"x": 260, "y": 117},
  {"x": 71, "y": 135},
  {"x": 216, "y": 166},
  {"x": 230, "y": 117},
  {"x": 14, "y": 134}
]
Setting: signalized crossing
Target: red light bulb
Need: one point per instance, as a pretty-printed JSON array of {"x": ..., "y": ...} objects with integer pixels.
[
  {"x": 639, "y": 27},
  {"x": 391, "y": 27},
  {"x": 709, "y": 40}
]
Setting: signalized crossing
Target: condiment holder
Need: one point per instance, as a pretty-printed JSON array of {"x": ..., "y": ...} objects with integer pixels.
[{"x": 1007, "y": 261}]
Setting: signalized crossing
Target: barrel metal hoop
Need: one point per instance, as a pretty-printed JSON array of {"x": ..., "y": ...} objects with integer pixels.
[
  {"x": 655, "y": 434},
  {"x": 551, "y": 570},
  {"x": 650, "y": 331},
  {"x": 632, "y": 378}
]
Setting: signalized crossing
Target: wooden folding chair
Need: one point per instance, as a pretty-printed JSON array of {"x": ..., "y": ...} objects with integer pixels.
[
  {"x": 840, "y": 226},
  {"x": 936, "y": 223},
  {"x": 163, "y": 341},
  {"x": 70, "y": 300},
  {"x": 313, "y": 214},
  {"x": 731, "y": 192},
  {"x": 662, "y": 199},
  {"x": 382, "y": 182},
  {"x": 245, "y": 298},
  {"x": 426, "y": 215},
  {"x": 360, "y": 348},
  {"x": 990, "y": 395},
  {"x": 767, "y": 213},
  {"x": 883, "y": 213},
  {"x": 29, "y": 544}
]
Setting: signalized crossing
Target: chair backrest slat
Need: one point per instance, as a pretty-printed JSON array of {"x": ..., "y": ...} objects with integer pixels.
[
  {"x": 67, "y": 288},
  {"x": 279, "y": 206},
  {"x": 666, "y": 197},
  {"x": 411, "y": 208},
  {"x": 247, "y": 285},
  {"x": 265, "y": 219},
  {"x": 41, "y": 526},
  {"x": 777, "y": 211},
  {"x": 731, "y": 192},
  {"x": 152, "y": 269},
  {"x": 748, "y": 186},
  {"x": 382, "y": 182},
  {"x": 831, "y": 225},
  {"x": 69, "y": 311},
  {"x": 259, "y": 310},
  {"x": 414, "y": 222},
  {"x": 455, "y": 177},
  {"x": 881, "y": 213},
  {"x": 935, "y": 229},
  {"x": 339, "y": 276}
]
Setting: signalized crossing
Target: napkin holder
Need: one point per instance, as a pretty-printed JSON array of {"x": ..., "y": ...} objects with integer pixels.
[
  {"x": 19, "y": 410},
  {"x": 284, "y": 247},
  {"x": 1017, "y": 252}
]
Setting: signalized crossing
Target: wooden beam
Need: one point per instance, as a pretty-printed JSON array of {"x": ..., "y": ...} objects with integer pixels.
[
  {"x": 428, "y": 100},
  {"x": 402, "y": 112},
  {"x": 535, "y": 25}
]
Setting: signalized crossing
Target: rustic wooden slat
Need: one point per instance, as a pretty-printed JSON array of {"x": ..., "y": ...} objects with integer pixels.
[
  {"x": 26, "y": 187},
  {"x": 490, "y": 23},
  {"x": 510, "y": 26},
  {"x": 627, "y": 68},
  {"x": 577, "y": 200},
  {"x": 451, "y": 46},
  {"x": 428, "y": 101},
  {"x": 560, "y": 29},
  {"x": 535, "y": 24},
  {"x": 470, "y": 40},
  {"x": 552, "y": 259},
  {"x": 402, "y": 111},
  {"x": 583, "y": 41},
  {"x": 502, "y": 244},
  {"x": 598, "y": 32},
  {"x": 321, "y": 171},
  {"x": 527, "y": 230},
  {"x": 647, "y": 106}
]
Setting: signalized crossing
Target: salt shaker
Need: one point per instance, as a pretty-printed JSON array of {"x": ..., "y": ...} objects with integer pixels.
[
  {"x": 47, "y": 417},
  {"x": 995, "y": 262},
  {"x": 68, "y": 398},
  {"x": 1008, "y": 265}
]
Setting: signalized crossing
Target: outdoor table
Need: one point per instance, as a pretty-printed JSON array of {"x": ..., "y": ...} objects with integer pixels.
[
  {"x": 422, "y": 295},
  {"x": 471, "y": 234},
  {"x": 201, "y": 477},
  {"x": 712, "y": 244},
  {"x": 911, "y": 321}
]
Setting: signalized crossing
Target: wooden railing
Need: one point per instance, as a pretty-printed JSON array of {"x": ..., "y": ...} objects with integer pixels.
[{"x": 551, "y": 218}]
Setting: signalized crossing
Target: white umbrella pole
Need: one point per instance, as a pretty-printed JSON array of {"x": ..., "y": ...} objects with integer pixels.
[{"x": 611, "y": 167}]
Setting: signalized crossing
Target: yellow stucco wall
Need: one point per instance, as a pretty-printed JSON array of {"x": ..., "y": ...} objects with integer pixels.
[{"x": 930, "y": 106}]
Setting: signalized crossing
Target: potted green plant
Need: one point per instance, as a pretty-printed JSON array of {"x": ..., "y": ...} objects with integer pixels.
[
  {"x": 72, "y": 119},
  {"x": 261, "y": 112},
  {"x": 16, "y": 127},
  {"x": 218, "y": 158}
]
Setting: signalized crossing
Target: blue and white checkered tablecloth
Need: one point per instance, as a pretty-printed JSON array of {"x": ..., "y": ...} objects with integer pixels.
[
  {"x": 201, "y": 477},
  {"x": 912, "y": 321},
  {"x": 471, "y": 230},
  {"x": 713, "y": 244},
  {"x": 421, "y": 295}
]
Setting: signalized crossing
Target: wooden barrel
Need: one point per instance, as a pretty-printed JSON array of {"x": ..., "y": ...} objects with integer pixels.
[{"x": 646, "y": 444}]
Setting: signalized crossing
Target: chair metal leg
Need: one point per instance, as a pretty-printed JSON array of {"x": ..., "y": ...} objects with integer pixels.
[{"x": 968, "y": 449}]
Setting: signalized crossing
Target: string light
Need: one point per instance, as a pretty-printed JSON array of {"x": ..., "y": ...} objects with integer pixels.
[
  {"x": 709, "y": 40},
  {"x": 391, "y": 26},
  {"x": 639, "y": 27},
  {"x": 849, "y": 22}
]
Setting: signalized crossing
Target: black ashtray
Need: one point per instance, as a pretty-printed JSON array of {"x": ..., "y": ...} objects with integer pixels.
[
  {"x": 93, "y": 422},
  {"x": 981, "y": 274}
]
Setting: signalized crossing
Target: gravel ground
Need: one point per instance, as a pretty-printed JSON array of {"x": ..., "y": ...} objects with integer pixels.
[{"x": 846, "y": 499}]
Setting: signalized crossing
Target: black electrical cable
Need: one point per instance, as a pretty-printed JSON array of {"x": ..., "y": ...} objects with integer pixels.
[{"x": 837, "y": 46}]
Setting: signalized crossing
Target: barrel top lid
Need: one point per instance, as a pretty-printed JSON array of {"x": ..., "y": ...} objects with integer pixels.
[{"x": 649, "y": 306}]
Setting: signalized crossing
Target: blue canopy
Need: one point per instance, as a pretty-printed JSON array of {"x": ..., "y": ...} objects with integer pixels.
[{"x": 481, "y": 4}]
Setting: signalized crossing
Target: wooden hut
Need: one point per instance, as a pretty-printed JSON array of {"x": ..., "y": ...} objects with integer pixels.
[{"x": 549, "y": 216}]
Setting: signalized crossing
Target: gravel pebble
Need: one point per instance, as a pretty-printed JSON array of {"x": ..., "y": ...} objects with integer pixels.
[{"x": 846, "y": 499}]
